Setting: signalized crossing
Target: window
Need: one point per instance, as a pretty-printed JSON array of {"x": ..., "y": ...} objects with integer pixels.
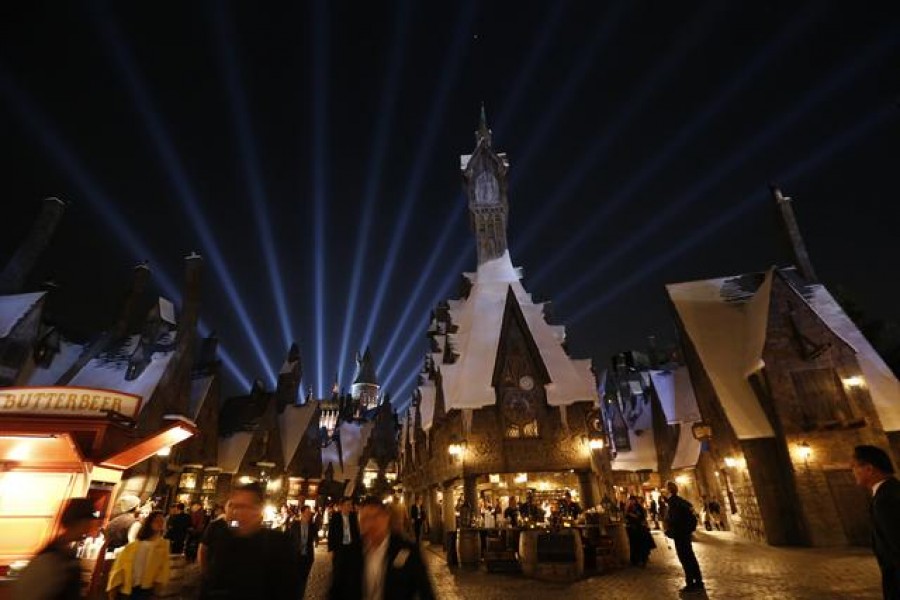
[{"x": 820, "y": 396}]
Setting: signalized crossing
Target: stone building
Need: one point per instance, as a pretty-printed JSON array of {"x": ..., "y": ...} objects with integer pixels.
[
  {"x": 501, "y": 410},
  {"x": 787, "y": 385},
  {"x": 314, "y": 449}
]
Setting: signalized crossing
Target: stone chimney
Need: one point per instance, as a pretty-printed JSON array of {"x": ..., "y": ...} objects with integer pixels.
[
  {"x": 127, "y": 316},
  {"x": 792, "y": 230},
  {"x": 178, "y": 375},
  {"x": 12, "y": 279}
]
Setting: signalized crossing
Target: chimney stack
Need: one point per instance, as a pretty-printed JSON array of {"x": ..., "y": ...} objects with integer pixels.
[
  {"x": 12, "y": 279},
  {"x": 792, "y": 230}
]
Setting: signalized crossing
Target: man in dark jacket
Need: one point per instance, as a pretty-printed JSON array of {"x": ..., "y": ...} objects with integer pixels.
[
  {"x": 303, "y": 533},
  {"x": 54, "y": 572},
  {"x": 343, "y": 527},
  {"x": 250, "y": 562},
  {"x": 384, "y": 566},
  {"x": 177, "y": 527},
  {"x": 873, "y": 470},
  {"x": 680, "y": 525}
]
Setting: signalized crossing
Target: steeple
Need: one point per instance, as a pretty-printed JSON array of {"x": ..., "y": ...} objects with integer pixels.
[
  {"x": 364, "y": 389},
  {"x": 484, "y": 180},
  {"x": 795, "y": 238},
  {"x": 365, "y": 369}
]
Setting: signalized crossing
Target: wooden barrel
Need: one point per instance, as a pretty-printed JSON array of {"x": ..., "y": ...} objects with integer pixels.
[
  {"x": 551, "y": 556},
  {"x": 528, "y": 551},
  {"x": 468, "y": 547}
]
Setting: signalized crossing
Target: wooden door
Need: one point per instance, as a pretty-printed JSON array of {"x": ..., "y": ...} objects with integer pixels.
[{"x": 852, "y": 504}]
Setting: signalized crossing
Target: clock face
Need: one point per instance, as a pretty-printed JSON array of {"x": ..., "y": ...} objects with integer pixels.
[
  {"x": 526, "y": 383},
  {"x": 517, "y": 408}
]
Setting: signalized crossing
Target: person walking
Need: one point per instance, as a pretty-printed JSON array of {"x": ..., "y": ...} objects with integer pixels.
[
  {"x": 418, "y": 516},
  {"x": 343, "y": 528},
  {"x": 123, "y": 528},
  {"x": 680, "y": 524},
  {"x": 141, "y": 569},
  {"x": 639, "y": 540},
  {"x": 873, "y": 470},
  {"x": 54, "y": 573},
  {"x": 248, "y": 561},
  {"x": 303, "y": 533},
  {"x": 177, "y": 526},
  {"x": 384, "y": 566}
]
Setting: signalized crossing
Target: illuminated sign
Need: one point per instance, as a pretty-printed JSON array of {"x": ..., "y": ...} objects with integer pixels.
[{"x": 67, "y": 402}]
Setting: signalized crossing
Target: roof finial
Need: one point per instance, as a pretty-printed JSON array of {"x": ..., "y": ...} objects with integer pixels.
[{"x": 483, "y": 132}]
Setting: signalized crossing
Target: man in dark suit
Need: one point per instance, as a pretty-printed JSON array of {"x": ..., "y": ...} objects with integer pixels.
[
  {"x": 303, "y": 533},
  {"x": 873, "y": 470},
  {"x": 384, "y": 566},
  {"x": 417, "y": 514},
  {"x": 343, "y": 527}
]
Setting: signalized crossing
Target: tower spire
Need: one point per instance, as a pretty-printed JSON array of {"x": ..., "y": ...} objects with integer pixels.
[
  {"x": 484, "y": 179},
  {"x": 483, "y": 132},
  {"x": 798, "y": 246}
]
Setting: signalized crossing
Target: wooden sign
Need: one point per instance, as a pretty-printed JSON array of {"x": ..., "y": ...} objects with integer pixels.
[{"x": 67, "y": 402}]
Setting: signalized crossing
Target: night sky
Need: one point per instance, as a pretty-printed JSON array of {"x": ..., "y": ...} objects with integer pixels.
[{"x": 303, "y": 147}]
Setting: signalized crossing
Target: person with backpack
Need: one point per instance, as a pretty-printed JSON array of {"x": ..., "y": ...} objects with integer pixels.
[{"x": 681, "y": 522}]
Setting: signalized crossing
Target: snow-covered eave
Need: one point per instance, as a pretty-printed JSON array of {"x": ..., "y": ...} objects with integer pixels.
[
  {"x": 14, "y": 308},
  {"x": 883, "y": 385},
  {"x": 728, "y": 338}
]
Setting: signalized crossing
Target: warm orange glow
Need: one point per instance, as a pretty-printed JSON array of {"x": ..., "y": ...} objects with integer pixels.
[
  {"x": 149, "y": 446},
  {"x": 38, "y": 449}
]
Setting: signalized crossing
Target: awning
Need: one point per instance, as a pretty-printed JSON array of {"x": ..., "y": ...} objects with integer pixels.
[
  {"x": 37, "y": 449},
  {"x": 180, "y": 430}
]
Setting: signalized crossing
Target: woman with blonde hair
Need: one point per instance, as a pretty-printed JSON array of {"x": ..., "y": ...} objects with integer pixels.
[{"x": 141, "y": 569}]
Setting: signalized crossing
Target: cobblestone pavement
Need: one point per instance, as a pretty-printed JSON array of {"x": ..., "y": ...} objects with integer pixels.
[{"x": 732, "y": 569}]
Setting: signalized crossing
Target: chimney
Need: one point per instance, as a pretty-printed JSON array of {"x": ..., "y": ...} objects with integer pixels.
[
  {"x": 139, "y": 279},
  {"x": 208, "y": 351},
  {"x": 792, "y": 230},
  {"x": 12, "y": 279},
  {"x": 179, "y": 373}
]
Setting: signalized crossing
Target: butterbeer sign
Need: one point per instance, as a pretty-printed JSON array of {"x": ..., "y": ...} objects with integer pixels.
[{"x": 67, "y": 402}]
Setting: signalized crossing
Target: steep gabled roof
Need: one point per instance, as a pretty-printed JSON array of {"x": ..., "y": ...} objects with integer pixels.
[
  {"x": 478, "y": 319},
  {"x": 365, "y": 369},
  {"x": 728, "y": 330},
  {"x": 14, "y": 308},
  {"x": 883, "y": 385},
  {"x": 109, "y": 370},
  {"x": 676, "y": 395},
  {"x": 293, "y": 423}
]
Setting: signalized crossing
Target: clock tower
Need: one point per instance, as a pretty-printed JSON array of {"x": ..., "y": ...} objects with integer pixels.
[{"x": 484, "y": 179}]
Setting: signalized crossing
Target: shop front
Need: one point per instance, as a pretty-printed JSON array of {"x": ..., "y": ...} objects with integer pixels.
[{"x": 59, "y": 443}]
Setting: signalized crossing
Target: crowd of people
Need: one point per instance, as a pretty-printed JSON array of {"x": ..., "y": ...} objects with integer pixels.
[{"x": 373, "y": 547}]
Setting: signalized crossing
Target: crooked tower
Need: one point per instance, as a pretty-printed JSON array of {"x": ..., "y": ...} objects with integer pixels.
[
  {"x": 365, "y": 383},
  {"x": 484, "y": 176}
]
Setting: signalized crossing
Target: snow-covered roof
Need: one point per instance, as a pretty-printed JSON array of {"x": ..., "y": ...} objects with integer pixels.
[
  {"x": 676, "y": 394},
  {"x": 199, "y": 391},
  {"x": 429, "y": 393},
  {"x": 108, "y": 371},
  {"x": 883, "y": 385},
  {"x": 166, "y": 310},
  {"x": 729, "y": 335},
  {"x": 292, "y": 423},
  {"x": 64, "y": 359},
  {"x": 354, "y": 437},
  {"x": 642, "y": 455},
  {"x": 14, "y": 307},
  {"x": 687, "y": 453},
  {"x": 479, "y": 318},
  {"x": 232, "y": 450}
]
